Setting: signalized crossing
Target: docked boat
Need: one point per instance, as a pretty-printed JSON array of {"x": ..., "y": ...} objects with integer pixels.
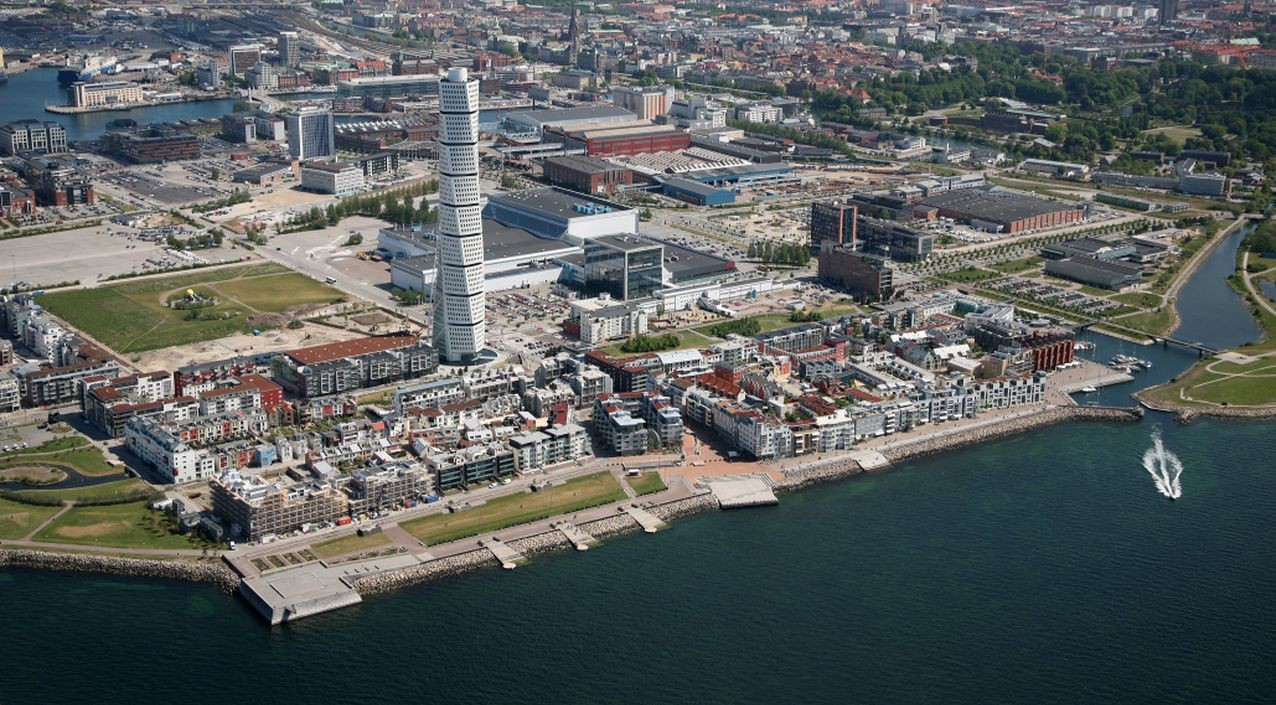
[
  {"x": 86, "y": 67},
  {"x": 1089, "y": 389}
]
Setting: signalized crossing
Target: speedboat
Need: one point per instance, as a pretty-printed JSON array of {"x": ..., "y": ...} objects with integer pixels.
[{"x": 1089, "y": 389}]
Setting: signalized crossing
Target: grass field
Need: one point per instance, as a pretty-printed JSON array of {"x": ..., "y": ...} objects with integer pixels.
[
  {"x": 511, "y": 510},
  {"x": 1139, "y": 299},
  {"x": 118, "y": 489},
  {"x": 1255, "y": 385},
  {"x": 647, "y": 483},
  {"x": 350, "y": 544},
  {"x": 17, "y": 519},
  {"x": 1151, "y": 322},
  {"x": 133, "y": 317},
  {"x": 71, "y": 450},
  {"x": 969, "y": 275},
  {"x": 686, "y": 339},
  {"x": 776, "y": 321},
  {"x": 1016, "y": 266},
  {"x": 129, "y": 525},
  {"x": 1178, "y": 133}
]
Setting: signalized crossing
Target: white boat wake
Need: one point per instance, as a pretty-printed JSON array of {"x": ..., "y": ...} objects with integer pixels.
[{"x": 1164, "y": 467}]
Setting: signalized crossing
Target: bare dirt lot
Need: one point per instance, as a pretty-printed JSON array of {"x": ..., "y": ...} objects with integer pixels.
[
  {"x": 241, "y": 344},
  {"x": 84, "y": 254}
]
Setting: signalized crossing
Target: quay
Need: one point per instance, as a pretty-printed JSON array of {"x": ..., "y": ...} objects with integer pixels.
[
  {"x": 508, "y": 557},
  {"x": 579, "y": 538},
  {"x": 302, "y": 591},
  {"x": 650, "y": 524},
  {"x": 736, "y": 492}
]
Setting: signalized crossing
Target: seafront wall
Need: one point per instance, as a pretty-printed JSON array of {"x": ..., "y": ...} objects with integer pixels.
[
  {"x": 1222, "y": 412},
  {"x": 528, "y": 546},
  {"x": 929, "y": 445},
  {"x": 210, "y": 571}
]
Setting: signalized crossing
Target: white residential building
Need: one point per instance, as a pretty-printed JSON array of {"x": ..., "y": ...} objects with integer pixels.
[{"x": 340, "y": 179}]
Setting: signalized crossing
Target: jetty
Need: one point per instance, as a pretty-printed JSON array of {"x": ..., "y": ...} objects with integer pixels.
[
  {"x": 649, "y": 522},
  {"x": 578, "y": 537},
  {"x": 508, "y": 557},
  {"x": 739, "y": 491},
  {"x": 301, "y": 591}
]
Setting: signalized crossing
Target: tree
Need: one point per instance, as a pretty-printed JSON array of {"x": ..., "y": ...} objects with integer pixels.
[{"x": 354, "y": 240}]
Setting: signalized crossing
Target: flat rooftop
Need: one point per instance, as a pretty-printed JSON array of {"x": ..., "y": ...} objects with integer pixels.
[
  {"x": 628, "y": 243},
  {"x": 995, "y": 206},
  {"x": 557, "y": 202},
  {"x": 350, "y": 348}
]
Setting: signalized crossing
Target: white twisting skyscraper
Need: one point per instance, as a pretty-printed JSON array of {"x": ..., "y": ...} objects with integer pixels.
[{"x": 459, "y": 301}]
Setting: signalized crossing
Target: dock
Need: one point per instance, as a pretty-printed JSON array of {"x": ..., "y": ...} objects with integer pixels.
[
  {"x": 508, "y": 557},
  {"x": 742, "y": 491},
  {"x": 650, "y": 524},
  {"x": 1089, "y": 374},
  {"x": 302, "y": 591},
  {"x": 579, "y": 538}
]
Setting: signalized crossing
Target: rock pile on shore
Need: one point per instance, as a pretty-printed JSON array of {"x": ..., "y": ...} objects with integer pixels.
[
  {"x": 1009, "y": 427},
  {"x": 1224, "y": 412},
  {"x": 528, "y": 546},
  {"x": 206, "y": 571},
  {"x": 425, "y": 572},
  {"x": 809, "y": 475}
]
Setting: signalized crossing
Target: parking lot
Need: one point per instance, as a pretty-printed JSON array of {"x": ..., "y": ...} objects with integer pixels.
[{"x": 88, "y": 255}]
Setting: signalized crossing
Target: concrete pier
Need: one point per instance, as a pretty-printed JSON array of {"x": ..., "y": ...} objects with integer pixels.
[
  {"x": 508, "y": 557},
  {"x": 579, "y": 538},
  {"x": 742, "y": 491},
  {"x": 293, "y": 593},
  {"x": 650, "y": 524}
]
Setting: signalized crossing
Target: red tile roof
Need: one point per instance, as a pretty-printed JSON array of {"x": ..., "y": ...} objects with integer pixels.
[{"x": 350, "y": 348}]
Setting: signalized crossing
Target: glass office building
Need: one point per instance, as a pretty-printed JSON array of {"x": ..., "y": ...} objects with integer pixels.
[{"x": 626, "y": 267}]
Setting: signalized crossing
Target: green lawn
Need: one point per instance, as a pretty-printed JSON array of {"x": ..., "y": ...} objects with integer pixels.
[
  {"x": 686, "y": 339},
  {"x": 647, "y": 483},
  {"x": 133, "y": 317},
  {"x": 776, "y": 321},
  {"x": 129, "y": 525},
  {"x": 350, "y": 544},
  {"x": 1016, "y": 266},
  {"x": 1151, "y": 322},
  {"x": 511, "y": 510},
  {"x": 969, "y": 275},
  {"x": 1139, "y": 299},
  {"x": 1257, "y": 387},
  {"x": 280, "y": 292},
  {"x": 119, "y": 489},
  {"x": 70, "y": 450},
  {"x": 17, "y": 519}
]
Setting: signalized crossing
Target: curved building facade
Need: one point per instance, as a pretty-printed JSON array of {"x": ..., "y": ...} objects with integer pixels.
[{"x": 459, "y": 325}]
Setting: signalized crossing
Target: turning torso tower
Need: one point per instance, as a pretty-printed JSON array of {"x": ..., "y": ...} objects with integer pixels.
[{"x": 459, "y": 327}]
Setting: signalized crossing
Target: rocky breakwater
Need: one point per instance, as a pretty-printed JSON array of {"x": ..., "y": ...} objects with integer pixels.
[
  {"x": 1186, "y": 415},
  {"x": 429, "y": 571},
  {"x": 941, "y": 441},
  {"x": 527, "y": 546},
  {"x": 203, "y": 571},
  {"x": 808, "y": 475}
]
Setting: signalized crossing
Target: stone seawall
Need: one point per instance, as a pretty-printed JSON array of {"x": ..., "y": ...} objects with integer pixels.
[
  {"x": 1224, "y": 412},
  {"x": 804, "y": 477},
  {"x": 528, "y": 546},
  {"x": 1009, "y": 427},
  {"x": 214, "y": 572}
]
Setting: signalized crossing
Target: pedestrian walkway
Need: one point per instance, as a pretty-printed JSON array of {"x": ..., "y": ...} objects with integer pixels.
[
  {"x": 508, "y": 557},
  {"x": 579, "y": 538},
  {"x": 650, "y": 524}
]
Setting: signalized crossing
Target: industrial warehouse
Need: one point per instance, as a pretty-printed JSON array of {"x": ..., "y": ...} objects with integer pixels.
[{"x": 1001, "y": 211}]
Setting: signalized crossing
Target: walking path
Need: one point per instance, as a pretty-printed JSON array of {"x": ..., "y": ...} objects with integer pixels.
[{"x": 48, "y": 521}]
